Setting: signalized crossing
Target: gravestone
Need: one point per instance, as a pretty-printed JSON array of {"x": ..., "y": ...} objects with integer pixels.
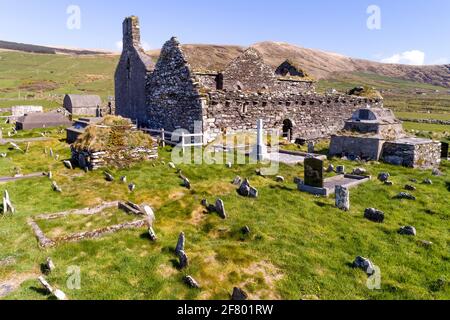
[
  {"x": 444, "y": 150},
  {"x": 342, "y": 198},
  {"x": 314, "y": 172},
  {"x": 311, "y": 147}
]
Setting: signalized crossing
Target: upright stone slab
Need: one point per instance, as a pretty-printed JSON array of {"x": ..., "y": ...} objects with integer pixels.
[
  {"x": 311, "y": 147},
  {"x": 444, "y": 150},
  {"x": 314, "y": 172},
  {"x": 261, "y": 148},
  {"x": 342, "y": 198}
]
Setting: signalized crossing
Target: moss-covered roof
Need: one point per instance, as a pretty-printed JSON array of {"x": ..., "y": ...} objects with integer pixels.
[{"x": 111, "y": 134}]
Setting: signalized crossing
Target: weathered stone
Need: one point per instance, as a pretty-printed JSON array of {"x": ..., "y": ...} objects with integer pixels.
[
  {"x": 191, "y": 282},
  {"x": 342, "y": 198},
  {"x": 152, "y": 234},
  {"x": 364, "y": 264},
  {"x": 437, "y": 172},
  {"x": 340, "y": 169},
  {"x": 253, "y": 193},
  {"x": 109, "y": 177},
  {"x": 410, "y": 188},
  {"x": 68, "y": 164},
  {"x": 244, "y": 189},
  {"x": 427, "y": 181},
  {"x": 408, "y": 231},
  {"x": 237, "y": 181},
  {"x": 58, "y": 294},
  {"x": 425, "y": 243},
  {"x": 131, "y": 187},
  {"x": 181, "y": 243},
  {"x": 150, "y": 214},
  {"x": 50, "y": 175},
  {"x": 406, "y": 196},
  {"x": 384, "y": 176},
  {"x": 229, "y": 165},
  {"x": 246, "y": 230},
  {"x": 172, "y": 165},
  {"x": 7, "y": 205},
  {"x": 330, "y": 168},
  {"x": 280, "y": 179},
  {"x": 298, "y": 181},
  {"x": 359, "y": 171},
  {"x": 123, "y": 179},
  {"x": 220, "y": 209},
  {"x": 187, "y": 183},
  {"x": 55, "y": 187},
  {"x": 49, "y": 265},
  {"x": 374, "y": 215},
  {"x": 183, "y": 260},
  {"x": 239, "y": 295}
]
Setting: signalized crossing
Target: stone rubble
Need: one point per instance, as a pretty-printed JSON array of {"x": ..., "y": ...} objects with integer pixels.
[
  {"x": 374, "y": 215},
  {"x": 364, "y": 264}
]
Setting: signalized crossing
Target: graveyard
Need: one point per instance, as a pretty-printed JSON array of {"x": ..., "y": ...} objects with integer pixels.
[
  {"x": 262, "y": 171},
  {"x": 295, "y": 246}
]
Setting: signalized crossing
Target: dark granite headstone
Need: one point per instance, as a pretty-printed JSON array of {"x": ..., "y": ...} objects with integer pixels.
[
  {"x": 364, "y": 114},
  {"x": 314, "y": 172},
  {"x": 444, "y": 150}
]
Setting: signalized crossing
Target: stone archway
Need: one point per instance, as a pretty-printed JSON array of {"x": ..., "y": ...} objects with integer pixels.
[{"x": 288, "y": 129}]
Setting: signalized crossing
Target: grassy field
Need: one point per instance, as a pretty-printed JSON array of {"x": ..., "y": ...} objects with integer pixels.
[{"x": 300, "y": 246}]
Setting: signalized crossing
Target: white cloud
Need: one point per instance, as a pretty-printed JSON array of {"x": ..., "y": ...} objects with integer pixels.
[{"x": 413, "y": 57}]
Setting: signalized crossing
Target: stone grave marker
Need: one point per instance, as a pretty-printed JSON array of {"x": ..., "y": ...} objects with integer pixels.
[
  {"x": 342, "y": 198},
  {"x": 444, "y": 150},
  {"x": 314, "y": 172}
]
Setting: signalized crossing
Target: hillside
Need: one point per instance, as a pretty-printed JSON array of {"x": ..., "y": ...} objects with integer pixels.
[{"x": 14, "y": 46}]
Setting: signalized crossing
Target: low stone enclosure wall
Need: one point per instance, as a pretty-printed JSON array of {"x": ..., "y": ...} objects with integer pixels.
[
  {"x": 407, "y": 152},
  {"x": 308, "y": 115},
  {"x": 94, "y": 160},
  {"x": 126, "y": 207}
]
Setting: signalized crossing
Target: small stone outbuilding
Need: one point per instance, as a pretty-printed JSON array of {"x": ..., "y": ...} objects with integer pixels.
[
  {"x": 376, "y": 134},
  {"x": 82, "y": 105},
  {"x": 42, "y": 120}
]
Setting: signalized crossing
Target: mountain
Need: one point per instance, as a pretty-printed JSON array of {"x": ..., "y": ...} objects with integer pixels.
[
  {"x": 319, "y": 64},
  {"x": 14, "y": 46}
]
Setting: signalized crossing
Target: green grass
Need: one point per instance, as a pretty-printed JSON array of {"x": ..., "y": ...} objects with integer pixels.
[
  {"x": 300, "y": 245},
  {"x": 417, "y": 115},
  {"x": 426, "y": 127}
]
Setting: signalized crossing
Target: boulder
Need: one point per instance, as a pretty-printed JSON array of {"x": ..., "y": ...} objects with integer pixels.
[
  {"x": 410, "y": 188},
  {"x": 109, "y": 177},
  {"x": 384, "y": 176},
  {"x": 364, "y": 264},
  {"x": 239, "y": 295},
  {"x": 374, "y": 215},
  {"x": 246, "y": 230},
  {"x": 330, "y": 168},
  {"x": 406, "y": 196},
  {"x": 68, "y": 164},
  {"x": 244, "y": 189},
  {"x": 428, "y": 182},
  {"x": 280, "y": 179},
  {"x": 359, "y": 171},
  {"x": 220, "y": 209},
  {"x": 191, "y": 282},
  {"x": 131, "y": 187},
  {"x": 408, "y": 231}
]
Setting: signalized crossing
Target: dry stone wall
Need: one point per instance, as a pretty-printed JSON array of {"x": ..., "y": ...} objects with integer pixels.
[{"x": 311, "y": 115}]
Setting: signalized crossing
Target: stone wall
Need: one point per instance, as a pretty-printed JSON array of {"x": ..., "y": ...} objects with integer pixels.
[
  {"x": 311, "y": 115},
  {"x": 94, "y": 160},
  {"x": 414, "y": 153},
  {"x": 173, "y": 97},
  {"x": 131, "y": 74},
  {"x": 363, "y": 147}
]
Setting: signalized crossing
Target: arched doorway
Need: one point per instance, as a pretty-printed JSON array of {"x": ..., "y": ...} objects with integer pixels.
[{"x": 288, "y": 129}]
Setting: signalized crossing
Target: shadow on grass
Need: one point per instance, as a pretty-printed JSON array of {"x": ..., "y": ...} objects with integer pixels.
[
  {"x": 284, "y": 188},
  {"x": 323, "y": 204},
  {"x": 42, "y": 292},
  {"x": 447, "y": 184}
]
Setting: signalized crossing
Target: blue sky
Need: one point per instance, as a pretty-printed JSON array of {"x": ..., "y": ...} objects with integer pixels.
[{"x": 412, "y": 32}]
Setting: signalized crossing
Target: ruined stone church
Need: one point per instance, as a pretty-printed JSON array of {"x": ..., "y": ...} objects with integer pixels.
[{"x": 171, "y": 94}]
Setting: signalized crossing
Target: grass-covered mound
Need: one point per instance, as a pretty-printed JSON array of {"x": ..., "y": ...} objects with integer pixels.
[
  {"x": 112, "y": 134},
  {"x": 113, "y": 142},
  {"x": 365, "y": 92}
]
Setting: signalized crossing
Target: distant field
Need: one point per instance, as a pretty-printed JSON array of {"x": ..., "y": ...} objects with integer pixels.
[
  {"x": 416, "y": 115},
  {"x": 426, "y": 127}
]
